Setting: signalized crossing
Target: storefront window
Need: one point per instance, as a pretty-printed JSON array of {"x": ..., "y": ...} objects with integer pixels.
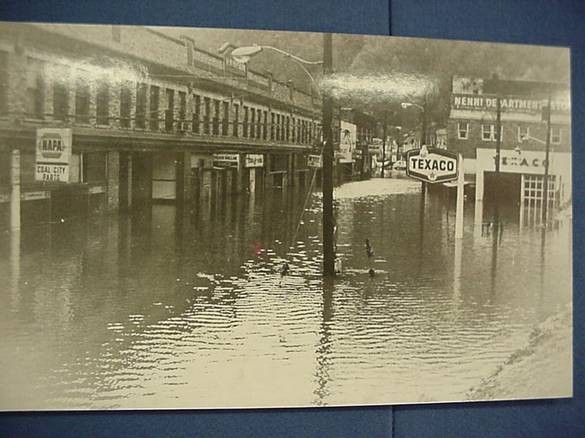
[{"x": 94, "y": 167}]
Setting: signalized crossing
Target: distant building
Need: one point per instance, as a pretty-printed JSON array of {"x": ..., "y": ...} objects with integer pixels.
[{"x": 471, "y": 131}]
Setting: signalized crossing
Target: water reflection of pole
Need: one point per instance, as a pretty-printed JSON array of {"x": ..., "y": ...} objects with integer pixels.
[
  {"x": 324, "y": 346},
  {"x": 542, "y": 266},
  {"x": 421, "y": 227},
  {"x": 14, "y": 267},
  {"x": 384, "y": 143},
  {"x": 494, "y": 260},
  {"x": 457, "y": 271}
]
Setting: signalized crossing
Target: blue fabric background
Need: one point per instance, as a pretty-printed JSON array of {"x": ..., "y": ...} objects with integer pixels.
[{"x": 551, "y": 22}]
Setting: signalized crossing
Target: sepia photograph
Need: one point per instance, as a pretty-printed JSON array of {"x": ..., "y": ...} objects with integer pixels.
[{"x": 196, "y": 218}]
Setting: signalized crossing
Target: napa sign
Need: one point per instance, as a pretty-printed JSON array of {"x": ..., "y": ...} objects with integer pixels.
[
  {"x": 53, "y": 154},
  {"x": 432, "y": 165}
]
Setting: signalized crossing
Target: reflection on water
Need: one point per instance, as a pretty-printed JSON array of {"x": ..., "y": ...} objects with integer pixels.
[{"x": 170, "y": 308}]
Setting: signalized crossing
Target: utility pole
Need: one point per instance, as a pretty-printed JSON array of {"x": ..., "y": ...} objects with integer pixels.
[
  {"x": 423, "y": 135},
  {"x": 496, "y": 218},
  {"x": 546, "y": 160},
  {"x": 423, "y": 141},
  {"x": 328, "y": 250}
]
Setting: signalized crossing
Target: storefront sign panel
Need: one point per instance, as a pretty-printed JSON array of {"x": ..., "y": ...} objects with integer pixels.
[{"x": 254, "y": 160}]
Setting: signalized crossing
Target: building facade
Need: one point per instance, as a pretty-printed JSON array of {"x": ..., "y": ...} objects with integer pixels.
[
  {"x": 522, "y": 113},
  {"x": 149, "y": 117}
]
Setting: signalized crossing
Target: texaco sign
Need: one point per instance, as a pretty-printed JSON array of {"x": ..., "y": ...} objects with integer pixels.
[{"x": 431, "y": 165}]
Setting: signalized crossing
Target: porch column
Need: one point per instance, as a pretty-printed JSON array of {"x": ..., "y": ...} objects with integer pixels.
[{"x": 113, "y": 180}]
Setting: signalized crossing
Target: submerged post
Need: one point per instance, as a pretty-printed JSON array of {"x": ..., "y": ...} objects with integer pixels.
[
  {"x": 328, "y": 252},
  {"x": 460, "y": 199}
]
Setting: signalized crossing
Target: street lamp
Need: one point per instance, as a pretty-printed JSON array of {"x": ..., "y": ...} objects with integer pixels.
[
  {"x": 405, "y": 105},
  {"x": 243, "y": 55}
]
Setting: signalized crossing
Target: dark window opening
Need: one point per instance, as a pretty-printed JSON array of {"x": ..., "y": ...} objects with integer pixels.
[
  {"x": 252, "y": 123},
  {"x": 245, "y": 124},
  {"x": 207, "y": 115},
  {"x": 236, "y": 122},
  {"x": 170, "y": 111},
  {"x": 182, "y": 110},
  {"x": 140, "y": 117},
  {"x": 35, "y": 90},
  {"x": 215, "y": 117},
  {"x": 196, "y": 114},
  {"x": 154, "y": 104},
  {"x": 102, "y": 104},
  {"x": 60, "y": 101},
  {"x": 82, "y": 101},
  {"x": 226, "y": 118},
  {"x": 125, "y": 103}
]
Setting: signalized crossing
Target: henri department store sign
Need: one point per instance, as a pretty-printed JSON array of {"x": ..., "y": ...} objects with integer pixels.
[{"x": 488, "y": 102}]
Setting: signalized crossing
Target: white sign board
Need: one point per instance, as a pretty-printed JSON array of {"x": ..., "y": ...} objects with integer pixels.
[
  {"x": 314, "y": 161},
  {"x": 432, "y": 165},
  {"x": 526, "y": 161},
  {"x": 53, "y": 154},
  {"x": 347, "y": 137},
  {"x": 254, "y": 160},
  {"x": 226, "y": 160},
  {"x": 375, "y": 147}
]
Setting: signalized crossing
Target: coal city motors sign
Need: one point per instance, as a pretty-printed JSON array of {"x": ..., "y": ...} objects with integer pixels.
[
  {"x": 431, "y": 165},
  {"x": 53, "y": 154}
]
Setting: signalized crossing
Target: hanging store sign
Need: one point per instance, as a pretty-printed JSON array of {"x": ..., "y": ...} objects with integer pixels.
[
  {"x": 348, "y": 137},
  {"x": 431, "y": 165},
  {"x": 226, "y": 160},
  {"x": 254, "y": 160},
  {"x": 53, "y": 154},
  {"x": 343, "y": 157},
  {"x": 315, "y": 161}
]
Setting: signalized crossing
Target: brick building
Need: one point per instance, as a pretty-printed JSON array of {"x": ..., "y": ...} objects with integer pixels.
[
  {"x": 151, "y": 117},
  {"x": 471, "y": 131}
]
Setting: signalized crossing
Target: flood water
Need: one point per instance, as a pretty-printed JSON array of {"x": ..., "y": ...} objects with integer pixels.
[{"x": 164, "y": 308}]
